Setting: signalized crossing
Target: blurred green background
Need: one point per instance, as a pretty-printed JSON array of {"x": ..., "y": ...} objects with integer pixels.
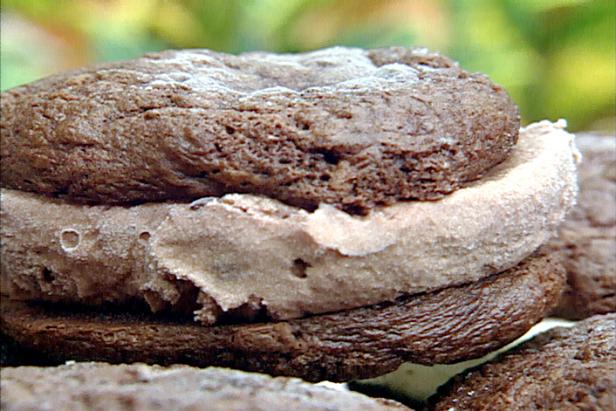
[{"x": 556, "y": 57}]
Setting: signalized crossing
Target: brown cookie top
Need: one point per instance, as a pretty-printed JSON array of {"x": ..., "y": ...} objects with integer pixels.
[
  {"x": 563, "y": 369},
  {"x": 343, "y": 126},
  {"x": 88, "y": 386},
  {"x": 450, "y": 325},
  {"x": 587, "y": 239}
]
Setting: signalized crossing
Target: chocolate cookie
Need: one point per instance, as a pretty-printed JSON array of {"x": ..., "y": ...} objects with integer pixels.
[
  {"x": 343, "y": 126},
  {"x": 588, "y": 237},
  {"x": 563, "y": 369},
  {"x": 99, "y": 386},
  {"x": 444, "y": 326}
]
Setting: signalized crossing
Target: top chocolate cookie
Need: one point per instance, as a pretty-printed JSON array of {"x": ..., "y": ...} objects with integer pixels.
[{"x": 350, "y": 127}]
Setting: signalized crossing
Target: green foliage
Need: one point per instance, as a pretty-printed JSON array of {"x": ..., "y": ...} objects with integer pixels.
[{"x": 555, "y": 57}]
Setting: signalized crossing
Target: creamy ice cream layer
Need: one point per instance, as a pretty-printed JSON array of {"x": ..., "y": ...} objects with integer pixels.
[{"x": 249, "y": 254}]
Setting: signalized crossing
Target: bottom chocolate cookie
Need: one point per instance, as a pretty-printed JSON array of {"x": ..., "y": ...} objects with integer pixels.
[
  {"x": 562, "y": 369},
  {"x": 445, "y": 326},
  {"x": 415, "y": 383},
  {"x": 99, "y": 386}
]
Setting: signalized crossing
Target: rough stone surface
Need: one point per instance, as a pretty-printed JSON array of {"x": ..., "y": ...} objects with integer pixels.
[
  {"x": 137, "y": 387},
  {"x": 247, "y": 256},
  {"x": 342, "y": 126},
  {"x": 446, "y": 326},
  {"x": 587, "y": 238},
  {"x": 563, "y": 369}
]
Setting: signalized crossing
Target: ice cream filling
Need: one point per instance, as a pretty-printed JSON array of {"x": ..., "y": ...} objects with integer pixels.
[{"x": 249, "y": 255}]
